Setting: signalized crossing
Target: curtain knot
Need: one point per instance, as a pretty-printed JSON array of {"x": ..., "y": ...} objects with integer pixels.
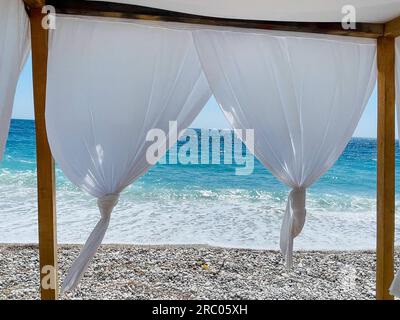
[
  {"x": 298, "y": 205},
  {"x": 106, "y": 204},
  {"x": 293, "y": 222}
]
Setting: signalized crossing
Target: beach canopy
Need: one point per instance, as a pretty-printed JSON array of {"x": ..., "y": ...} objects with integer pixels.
[
  {"x": 112, "y": 84},
  {"x": 303, "y": 96},
  {"x": 279, "y": 10}
]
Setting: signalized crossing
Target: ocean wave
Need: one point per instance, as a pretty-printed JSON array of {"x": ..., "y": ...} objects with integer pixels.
[
  {"x": 227, "y": 222},
  {"x": 12, "y": 181}
]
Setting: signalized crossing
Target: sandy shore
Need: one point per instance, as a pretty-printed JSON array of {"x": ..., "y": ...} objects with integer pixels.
[{"x": 196, "y": 272}]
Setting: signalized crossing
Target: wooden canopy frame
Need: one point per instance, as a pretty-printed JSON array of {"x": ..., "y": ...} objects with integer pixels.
[{"x": 385, "y": 34}]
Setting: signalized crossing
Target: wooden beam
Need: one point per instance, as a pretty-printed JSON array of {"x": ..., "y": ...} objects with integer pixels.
[
  {"x": 45, "y": 163},
  {"x": 126, "y": 11},
  {"x": 35, "y": 3},
  {"x": 392, "y": 28},
  {"x": 386, "y": 168}
]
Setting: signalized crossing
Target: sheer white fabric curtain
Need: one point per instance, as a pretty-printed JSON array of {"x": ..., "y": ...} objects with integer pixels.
[
  {"x": 395, "y": 287},
  {"x": 302, "y": 94},
  {"x": 109, "y": 83},
  {"x": 14, "y": 49}
]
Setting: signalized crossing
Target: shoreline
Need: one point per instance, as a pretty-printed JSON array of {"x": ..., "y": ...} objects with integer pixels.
[
  {"x": 198, "y": 246},
  {"x": 123, "y": 271}
]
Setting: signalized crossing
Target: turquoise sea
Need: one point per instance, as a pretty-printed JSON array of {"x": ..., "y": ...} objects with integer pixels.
[{"x": 187, "y": 203}]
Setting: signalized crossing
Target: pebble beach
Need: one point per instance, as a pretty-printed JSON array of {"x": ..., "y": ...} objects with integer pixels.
[{"x": 196, "y": 272}]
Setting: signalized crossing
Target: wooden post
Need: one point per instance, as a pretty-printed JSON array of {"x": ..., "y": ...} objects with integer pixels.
[
  {"x": 45, "y": 163},
  {"x": 386, "y": 168}
]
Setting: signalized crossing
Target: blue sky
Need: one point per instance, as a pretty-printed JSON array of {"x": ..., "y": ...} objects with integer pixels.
[{"x": 210, "y": 117}]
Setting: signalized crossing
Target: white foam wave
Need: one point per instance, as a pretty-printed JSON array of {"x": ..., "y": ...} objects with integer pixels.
[{"x": 223, "y": 221}]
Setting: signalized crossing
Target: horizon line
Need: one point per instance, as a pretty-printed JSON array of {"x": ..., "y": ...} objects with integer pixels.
[{"x": 358, "y": 137}]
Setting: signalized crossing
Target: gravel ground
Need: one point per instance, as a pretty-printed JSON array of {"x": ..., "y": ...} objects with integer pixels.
[{"x": 196, "y": 272}]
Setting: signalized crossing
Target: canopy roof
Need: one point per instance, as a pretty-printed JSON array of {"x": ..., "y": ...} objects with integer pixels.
[{"x": 373, "y": 11}]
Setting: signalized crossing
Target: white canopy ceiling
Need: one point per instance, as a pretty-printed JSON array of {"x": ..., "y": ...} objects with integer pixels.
[{"x": 279, "y": 10}]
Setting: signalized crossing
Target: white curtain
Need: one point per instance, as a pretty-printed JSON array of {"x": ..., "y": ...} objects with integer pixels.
[
  {"x": 303, "y": 95},
  {"x": 395, "y": 287},
  {"x": 14, "y": 49},
  {"x": 109, "y": 83}
]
